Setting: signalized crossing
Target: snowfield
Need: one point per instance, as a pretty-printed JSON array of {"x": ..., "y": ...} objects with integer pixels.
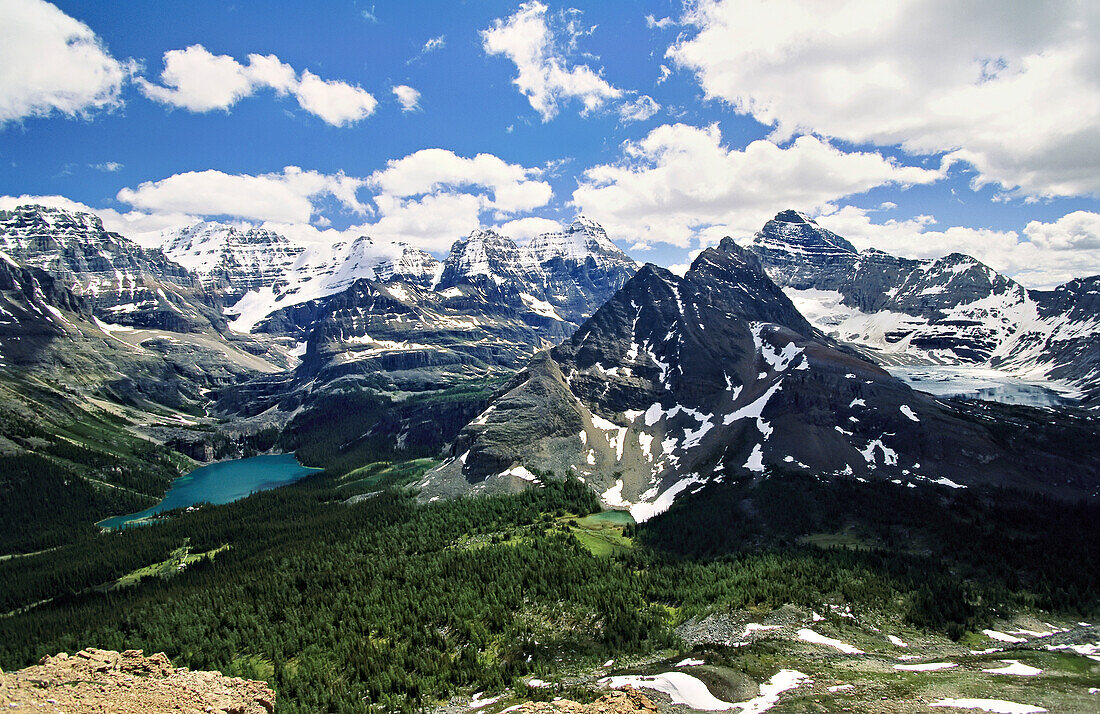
[{"x": 685, "y": 689}]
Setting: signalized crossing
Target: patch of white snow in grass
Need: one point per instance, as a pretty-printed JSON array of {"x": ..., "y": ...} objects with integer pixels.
[
  {"x": 689, "y": 662},
  {"x": 1015, "y": 668},
  {"x": 998, "y": 706},
  {"x": 642, "y": 512},
  {"x": 685, "y": 689},
  {"x": 808, "y": 635},
  {"x": 842, "y": 687},
  {"x": 478, "y": 703},
  {"x": 896, "y": 641},
  {"x": 1002, "y": 637},
  {"x": 925, "y": 666}
]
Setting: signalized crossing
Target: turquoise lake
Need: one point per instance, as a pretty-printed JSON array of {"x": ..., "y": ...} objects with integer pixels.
[{"x": 223, "y": 482}]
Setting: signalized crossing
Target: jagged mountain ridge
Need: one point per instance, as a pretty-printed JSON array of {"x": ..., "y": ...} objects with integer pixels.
[
  {"x": 123, "y": 283},
  {"x": 563, "y": 275},
  {"x": 678, "y": 382},
  {"x": 951, "y": 310}
]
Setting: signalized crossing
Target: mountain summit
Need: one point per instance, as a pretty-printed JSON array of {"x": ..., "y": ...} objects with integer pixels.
[{"x": 678, "y": 382}]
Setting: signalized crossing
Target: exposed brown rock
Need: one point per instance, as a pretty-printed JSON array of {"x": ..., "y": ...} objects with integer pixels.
[
  {"x": 128, "y": 682},
  {"x": 622, "y": 701}
]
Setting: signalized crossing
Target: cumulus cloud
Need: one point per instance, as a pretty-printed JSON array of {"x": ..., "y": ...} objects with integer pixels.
[
  {"x": 408, "y": 97},
  {"x": 514, "y": 187},
  {"x": 338, "y": 103},
  {"x": 52, "y": 63},
  {"x": 544, "y": 75},
  {"x": 680, "y": 183},
  {"x": 200, "y": 81},
  {"x": 1048, "y": 254},
  {"x": 1011, "y": 88},
  {"x": 427, "y": 199},
  {"x": 281, "y": 197},
  {"x": 1079, "y": 230}
]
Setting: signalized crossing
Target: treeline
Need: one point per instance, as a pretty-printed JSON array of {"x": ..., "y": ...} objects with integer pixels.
[{"x": 58, "y": 477}]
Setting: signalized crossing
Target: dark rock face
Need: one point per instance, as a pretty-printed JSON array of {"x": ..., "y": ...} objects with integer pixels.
[
  {"x": 123, "y": 283},
  {"x": 1074, "y": 348},
  {"x": 677, "y": 382},
  {"x": 950, "y": 310}
]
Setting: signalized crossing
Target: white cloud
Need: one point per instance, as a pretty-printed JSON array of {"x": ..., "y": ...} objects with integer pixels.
[
  {"x": 283, "y": 197},
  {"x": 642, "y": 108},
  {"x": 1053, "y": 254},
  {"x": 1079, "y": 230},
  {"x": 523, "y": 229},
  {"x": 50, "y": 62},
  {"x": 200, "y": 81},
  {"x": 107, "y": 166},
  {"x": 653, "y": 23},
  {"x": 680, "y": 183},
  {"x": 338, "y": 103},
  {"x": 431, "y": 45},
  {"x": 408, "y": 97},
  {"x": 544, "y": 75},
  {"x": 1012, "y": 88},
  {"x": 665, "y": 74},
  {"x": 428, "y": 199},
  {"x": 426, "y": 171}
]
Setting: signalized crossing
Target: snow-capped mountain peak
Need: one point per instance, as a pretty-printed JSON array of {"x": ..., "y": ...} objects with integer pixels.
[{"x": 580, "y": 240}]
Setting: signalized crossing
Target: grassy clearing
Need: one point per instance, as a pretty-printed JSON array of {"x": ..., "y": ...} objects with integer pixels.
[
  {"x": 601, "y": 533},
  {"x": 384, "y": 474},
  {"x": 179, "y": 559},
  {"x": 837, "y": 540}
]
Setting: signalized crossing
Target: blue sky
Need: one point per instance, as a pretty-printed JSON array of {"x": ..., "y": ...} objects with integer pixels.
[{"x": 671, "y": 125}]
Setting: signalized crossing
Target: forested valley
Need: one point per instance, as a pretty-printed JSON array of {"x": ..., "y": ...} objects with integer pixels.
[{"x": 391, "y": 604}]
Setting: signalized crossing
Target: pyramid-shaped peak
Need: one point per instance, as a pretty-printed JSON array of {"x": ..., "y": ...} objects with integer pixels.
[
  {"x": 794, "y": 230},
  {"x": 792, "y": 216}
]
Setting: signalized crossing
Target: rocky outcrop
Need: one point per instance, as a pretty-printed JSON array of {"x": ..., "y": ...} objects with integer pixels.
[
  {"x": 625, "y": 701},
  {"x": 128, "y": 682}
]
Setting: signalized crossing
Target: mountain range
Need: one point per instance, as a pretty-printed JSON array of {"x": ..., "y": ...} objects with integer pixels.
[{"x": 531, "y": 361}]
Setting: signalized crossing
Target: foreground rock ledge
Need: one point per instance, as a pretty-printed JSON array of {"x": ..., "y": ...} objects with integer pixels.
[{"x": 128, "y": 683}]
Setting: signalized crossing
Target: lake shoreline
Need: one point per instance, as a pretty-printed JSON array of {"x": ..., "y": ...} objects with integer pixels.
[{"x": 220, "y": 482}]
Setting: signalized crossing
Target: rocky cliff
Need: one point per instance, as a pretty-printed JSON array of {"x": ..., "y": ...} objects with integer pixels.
[{"x": 128, "y": 683}]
